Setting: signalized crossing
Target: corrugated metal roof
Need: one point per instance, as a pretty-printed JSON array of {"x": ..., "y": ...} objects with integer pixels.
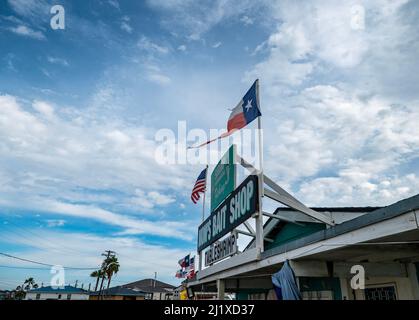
[
  {"x": 150, "y": 285},
  {"x": 121, "y": 291},
  {"x": 60, "y": 290}
]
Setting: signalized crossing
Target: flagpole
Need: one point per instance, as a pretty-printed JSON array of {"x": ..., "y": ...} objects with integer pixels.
[
  {"x": 203, "y": 218},
  {"x": 259, "y": 221},
  {"x": 203, "y": 199}
]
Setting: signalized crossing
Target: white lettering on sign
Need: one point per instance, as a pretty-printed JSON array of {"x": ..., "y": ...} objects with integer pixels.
[
  {"x": 219, "y": 221},
  {"x": 205, "y": 233},
  {"x": 240, "y": 204},
  {"x": 221, "y": 249}
]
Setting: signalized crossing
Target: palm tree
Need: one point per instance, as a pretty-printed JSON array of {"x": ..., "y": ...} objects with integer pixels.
[
  {"x": 96, "y": 274},
  {"x": 30, "y": 284},
  {"x": 19, "y": 294},
  {"x": 27, "y": 285},
  {"x": 112, "y": 267}
]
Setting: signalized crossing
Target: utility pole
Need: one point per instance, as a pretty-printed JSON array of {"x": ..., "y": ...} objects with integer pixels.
[{"x": 107, "y": 254}]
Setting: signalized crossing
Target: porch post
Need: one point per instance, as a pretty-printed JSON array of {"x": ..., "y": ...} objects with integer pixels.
[{"x": 220, "y": 289}]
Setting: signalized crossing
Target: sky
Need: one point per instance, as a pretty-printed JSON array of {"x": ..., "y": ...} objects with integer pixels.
[{"x": 80, "y": 109}]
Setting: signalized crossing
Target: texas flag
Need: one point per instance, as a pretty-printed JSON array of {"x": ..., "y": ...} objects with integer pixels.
[
  {"x": 247, "y": 110},
  {"x": 184, "y": 262}
]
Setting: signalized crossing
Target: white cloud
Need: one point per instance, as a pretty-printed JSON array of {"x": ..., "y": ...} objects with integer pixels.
[
  {"x": 279, "y": 71},
  {"x": 151, "y": 199},
  {"x": 131, "y": 225},
  {"x": 319, "y": 39},
  {"x": 160, "y": 79},
  {"x": 31, "y": 9},
  {"x": 246, "y": 20},
  {"x": 114, "y": 3},
  {"x": 28, "y": 32},
  {"x": 217, "y": 44},
  {"x": 154, "y": 74},
  {"x": 10, "y": 61},
  {"x": 44, "y": 108},
  {"x": 182, "y": 47},
  {"x": 147, "y": 45},
  {"x": 196, "y": 18},
  {"x": 52, "y": 223},
  {"x": 344, "y": 190},
  {"x": 340, "y": 100},
  {"x": 352, "y": 143},
  {"x": 60, "y": 61},
  {"x": 125, "y": 25},
  {"x": 45, "y": 153},
  {"x": 137, "y": 259}
]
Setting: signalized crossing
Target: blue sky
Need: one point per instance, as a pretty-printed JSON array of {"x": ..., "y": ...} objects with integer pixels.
[{"x": 79, "y": 109}]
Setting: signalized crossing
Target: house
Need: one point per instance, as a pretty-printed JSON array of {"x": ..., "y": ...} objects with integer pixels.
[
  {"x": 119, "y": 293},
  {"x": 57, "y": 293},
  {"x": 382, "y": 242},
  {"x": 6, "y": 295},
  {"x": 154, "y": 289}
]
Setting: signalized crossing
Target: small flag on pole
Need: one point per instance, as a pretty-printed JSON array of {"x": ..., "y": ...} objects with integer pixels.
[
  {"x": 179, "y": 274},
  {"x": 191, "y": 270},
  {"x": 247, "y": 110},
  {"x": 199, "y": 186},
  {"x": 184, "y": 262}
]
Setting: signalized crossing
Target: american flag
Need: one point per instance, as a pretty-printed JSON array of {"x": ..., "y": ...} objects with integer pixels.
[{"x": 199, "y": 186}]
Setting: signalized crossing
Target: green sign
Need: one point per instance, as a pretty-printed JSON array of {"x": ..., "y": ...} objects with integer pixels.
[
  {"x": 232, "y": 212},
  {"x": 223, "y": 178}
]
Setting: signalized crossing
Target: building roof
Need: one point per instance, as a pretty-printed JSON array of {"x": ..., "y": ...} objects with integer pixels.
[
  {"x": 150, "y": 285},
  {"x": 121, "y": 291},
  {"x": 59, "y": 290},
  {"x": 334, "y": 209},
  {"x": 273, "y": 226},
  {"x": 375, "y": 216}
]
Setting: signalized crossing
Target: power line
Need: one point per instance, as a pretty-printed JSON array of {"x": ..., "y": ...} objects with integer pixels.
[
  {"x": 47, "y": 242},
  {"x": 24, "y": 268},
  {"x": 43, "y": 264},
  {"x": 53, "y": 247}
]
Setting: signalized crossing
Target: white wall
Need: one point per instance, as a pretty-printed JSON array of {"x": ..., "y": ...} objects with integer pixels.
[
  {"x": 45, "y": 296},
  {"x": 403, "y": 287}
]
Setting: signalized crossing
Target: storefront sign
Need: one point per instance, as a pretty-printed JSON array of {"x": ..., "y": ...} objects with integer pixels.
[
  {"x": 233, "y": 211},
  {"x": 223, "y": 178},
  {"x": 221, "y": 249}
]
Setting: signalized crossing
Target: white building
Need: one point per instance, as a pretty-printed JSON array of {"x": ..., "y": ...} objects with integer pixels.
[
  {"x": 57, "y": 293},
  {"x": 383, "y": 241}
]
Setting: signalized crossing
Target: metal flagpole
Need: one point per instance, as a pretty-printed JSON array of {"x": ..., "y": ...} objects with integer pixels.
[
  {"x": 203, "y": 215},
  {"x": 259, "y": 219},
  {"x": 203, "y": 200}
]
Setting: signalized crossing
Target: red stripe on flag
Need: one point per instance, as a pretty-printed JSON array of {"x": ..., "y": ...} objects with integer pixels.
[{"x": 236, "y": 122}]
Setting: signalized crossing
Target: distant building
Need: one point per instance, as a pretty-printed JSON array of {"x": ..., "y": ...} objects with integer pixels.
[
  {"x": 154, "y": 289},
  {"x": 6, "y": 295},
  {"x": 59, "y": 293},
  {"x": 119, "y": 293}
]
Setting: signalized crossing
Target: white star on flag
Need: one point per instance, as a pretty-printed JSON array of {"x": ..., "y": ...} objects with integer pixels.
[{"x": 248, "y": 105}]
